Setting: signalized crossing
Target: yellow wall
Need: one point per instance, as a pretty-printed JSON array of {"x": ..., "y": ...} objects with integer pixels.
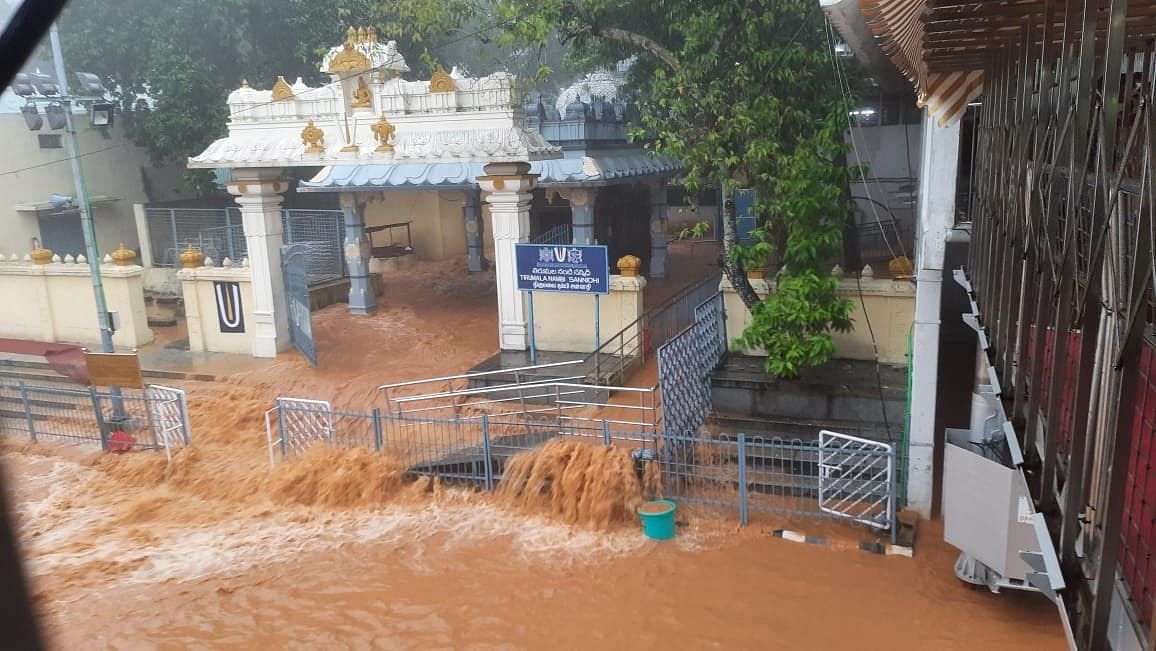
[
  {"x": 565, "y": 322},
  {"x": 55, "y": 303},
  {"x": 201, "y": 309},
  {"x": 113, "y": 167},
  {"x": 890, "y": 305},
  {"x": 438, "y": 222}
]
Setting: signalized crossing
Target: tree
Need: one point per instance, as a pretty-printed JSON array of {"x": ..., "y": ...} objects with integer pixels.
[
  {"x": 187, "y": 55},
  {"x": 743, "y": 92}
]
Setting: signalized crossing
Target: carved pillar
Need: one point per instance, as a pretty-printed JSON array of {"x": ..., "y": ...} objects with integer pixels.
[
  {"x": 258, "y": 193},
  {"x": 581, "y": 214},
  {"x": 658, "y": 229},
  {"x": 357, "y": 252},
  {"x": 509, "y": 187},
  {"x": 475, "y": 242}
]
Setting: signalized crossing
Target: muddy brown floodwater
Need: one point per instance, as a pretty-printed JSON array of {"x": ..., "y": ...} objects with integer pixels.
[{"x": 339, "y": 550}]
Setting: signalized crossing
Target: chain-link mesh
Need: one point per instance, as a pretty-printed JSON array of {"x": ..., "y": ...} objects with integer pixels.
[
  {"x": 685, "y": 363},
  {"x": 219, "y": 234}
]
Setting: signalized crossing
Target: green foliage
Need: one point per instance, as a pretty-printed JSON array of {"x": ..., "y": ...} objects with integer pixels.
[
  {"x": 744, "y": 94},
  {"x": 793, "y": 325}
]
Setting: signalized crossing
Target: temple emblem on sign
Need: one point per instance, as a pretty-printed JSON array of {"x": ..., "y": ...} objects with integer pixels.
[
  {"x": 313, "y": 138},
  {"x": 383, "y": 133}
]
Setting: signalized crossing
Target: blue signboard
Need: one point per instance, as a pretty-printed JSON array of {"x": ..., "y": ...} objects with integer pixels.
[{"x": 574, "y": 268}]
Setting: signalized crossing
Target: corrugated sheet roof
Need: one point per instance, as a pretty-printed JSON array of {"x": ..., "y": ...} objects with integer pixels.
[{"x": 595, "y": 168}]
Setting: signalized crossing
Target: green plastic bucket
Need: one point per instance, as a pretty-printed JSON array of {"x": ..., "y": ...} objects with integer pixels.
[{"x": 657, "y": 519}]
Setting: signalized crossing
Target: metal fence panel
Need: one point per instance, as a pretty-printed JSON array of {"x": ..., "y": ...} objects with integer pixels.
[
  {"x": 856, "y": 479},
  {"x": 684, "y": 367},
  {"x": 219, "y": 234},
  {"x": 126, "y": 420}
]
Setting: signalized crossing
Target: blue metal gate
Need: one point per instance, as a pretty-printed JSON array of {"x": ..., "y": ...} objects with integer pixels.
[{"x": 294, "y": 258}]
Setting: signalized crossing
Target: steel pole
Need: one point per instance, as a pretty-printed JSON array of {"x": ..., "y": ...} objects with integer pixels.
[{"x": 86, "y": 225}]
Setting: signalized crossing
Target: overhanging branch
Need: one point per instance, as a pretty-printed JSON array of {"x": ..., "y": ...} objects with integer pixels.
[{"x": 647, "y": 44}]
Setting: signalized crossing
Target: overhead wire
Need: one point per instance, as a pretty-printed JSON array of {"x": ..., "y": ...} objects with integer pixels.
[
  {"x": 845, "y": 91},
  {"x": 844, "y": 88}
]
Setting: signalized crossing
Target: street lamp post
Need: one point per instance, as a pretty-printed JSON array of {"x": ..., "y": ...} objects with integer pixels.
[{"x": 86, "y": 224}]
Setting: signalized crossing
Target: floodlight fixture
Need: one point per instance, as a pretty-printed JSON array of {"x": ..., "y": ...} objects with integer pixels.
[
  {"x": 102, "y": 114},
  {"x": 22, "y": 85},
  {"x": 90, "y": 85},
  {"x": 44, "y": 84},
  {"x": 31, "y": 117},
  {"x": 56, "y": 118}
]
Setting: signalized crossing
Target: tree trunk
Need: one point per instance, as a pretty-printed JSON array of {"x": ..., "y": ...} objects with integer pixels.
[
  {"x": 852, "y": 255},
  {"x": 731, "y": 265}
]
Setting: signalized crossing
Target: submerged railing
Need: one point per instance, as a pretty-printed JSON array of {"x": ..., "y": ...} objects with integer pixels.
[{"x": 629, "y": 348}]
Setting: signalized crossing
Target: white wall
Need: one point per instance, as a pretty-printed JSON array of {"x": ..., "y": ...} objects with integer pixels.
[{"x": 29, "y": 174}]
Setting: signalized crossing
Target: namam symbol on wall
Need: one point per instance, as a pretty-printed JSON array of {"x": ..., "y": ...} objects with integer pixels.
[{"x": 230, "y": 315}]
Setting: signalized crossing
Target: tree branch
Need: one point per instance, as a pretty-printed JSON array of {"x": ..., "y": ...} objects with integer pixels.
[{"x": 647, "y": 44}]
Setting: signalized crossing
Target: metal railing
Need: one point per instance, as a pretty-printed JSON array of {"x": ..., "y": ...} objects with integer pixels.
[
  {"x": 629, "y": 348},
  {"x": 533, "y": 394},
  {"x": 560, "y": 234},
  {"x": 154, "y": 418},
  {"x": 748, "y": 474}
]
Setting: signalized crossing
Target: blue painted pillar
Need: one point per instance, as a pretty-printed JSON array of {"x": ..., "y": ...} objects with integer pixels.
[
  {"x": 658, "y": 229},
  {"x": 357, "y": 251},
  {"x": 581, "y": 214},
  {"x": 475, "y": 242}
]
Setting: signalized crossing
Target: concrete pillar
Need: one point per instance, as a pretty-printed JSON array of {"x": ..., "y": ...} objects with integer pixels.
[
  {"x": 658, "y": 229},
  {"x": 475, "y": 237},
  {"x": 939, "y": 164},
  {"x": 140, "y": 216},
  {"x": 258, "y": 193},
  {"x": 581, "y": 214},
  {"x": 509, "y": 188},
  {"x": 361, "y": 297}
]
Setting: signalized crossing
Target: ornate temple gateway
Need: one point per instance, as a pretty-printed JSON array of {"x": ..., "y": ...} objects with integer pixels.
[{"x": 468, "y": 156}]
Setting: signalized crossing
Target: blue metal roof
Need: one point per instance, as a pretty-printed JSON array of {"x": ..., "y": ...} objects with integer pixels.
[{"x": 589, "y": 168}]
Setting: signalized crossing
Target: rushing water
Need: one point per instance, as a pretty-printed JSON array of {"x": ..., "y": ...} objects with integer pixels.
[{"x": 338, "y": 550}]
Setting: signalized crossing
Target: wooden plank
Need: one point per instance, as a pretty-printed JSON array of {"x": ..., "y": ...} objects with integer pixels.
[{"x": 114, "y": 369}]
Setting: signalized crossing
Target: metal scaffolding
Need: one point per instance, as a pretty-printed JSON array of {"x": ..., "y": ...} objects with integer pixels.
[{"x": 1061, "y": 263}]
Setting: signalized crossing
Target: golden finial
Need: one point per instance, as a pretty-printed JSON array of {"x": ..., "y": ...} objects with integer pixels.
[
  {"x": 383, "y": 133},
  {"x": 191, "y": 258},
  {"x": 628, "y": 265},
  {"x": 281, "y": 90},
  {"x": 351, "y": 35},
  {"x": 40, "y": 255},
  {"x": 123, "y": 256},
  {"x": 441, "y": 82},
  {"x": 372, "y": 32},
  {"x": 362, "y": 37},
  {"x": 313, "y": 138}
]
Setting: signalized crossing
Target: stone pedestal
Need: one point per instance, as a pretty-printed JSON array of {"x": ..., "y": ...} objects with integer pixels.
[
  {"x": 357, "y": 252},
  {"x": 509, "y": 188},
  {"x": 658, "y": 229},
  {"x": 258, "y": 193}
]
